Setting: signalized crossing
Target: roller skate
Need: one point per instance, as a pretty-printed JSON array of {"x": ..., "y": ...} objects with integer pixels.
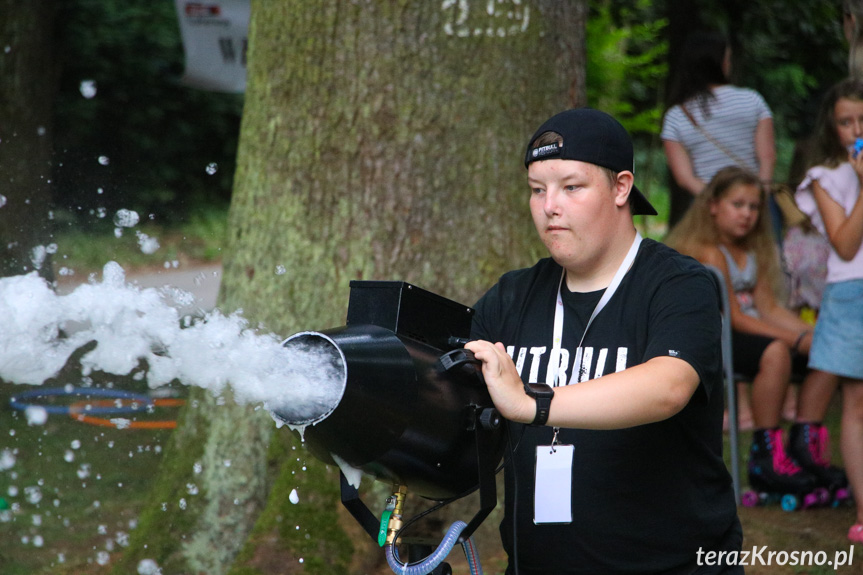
[
  {"x": 809, "y": 445},
  {"x": 777, "y": 478}
]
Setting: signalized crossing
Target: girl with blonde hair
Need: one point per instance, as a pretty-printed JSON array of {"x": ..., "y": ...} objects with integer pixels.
[{"x": 729, "y": 228}]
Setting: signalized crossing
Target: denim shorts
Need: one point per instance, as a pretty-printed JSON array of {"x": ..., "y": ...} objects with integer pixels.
[{"x": 837, "y": 345}]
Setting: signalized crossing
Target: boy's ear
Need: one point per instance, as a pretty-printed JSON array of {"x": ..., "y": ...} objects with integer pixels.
[{"x": 623, "y": 187}]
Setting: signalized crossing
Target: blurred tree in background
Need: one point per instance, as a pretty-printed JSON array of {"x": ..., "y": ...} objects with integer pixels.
[
  {"x": 28, "y": 82},
  {"x": 119, "y": 98},
  {"x": 128, "y": 135}
]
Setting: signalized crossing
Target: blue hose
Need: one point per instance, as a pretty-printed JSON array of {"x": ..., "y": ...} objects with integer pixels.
[
  {"x": 472, "y": 556},
  {"x": 438, "y": 555}
]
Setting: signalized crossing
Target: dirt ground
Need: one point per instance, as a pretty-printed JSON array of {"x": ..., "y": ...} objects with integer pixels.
[{"x": 815, "y": 530}]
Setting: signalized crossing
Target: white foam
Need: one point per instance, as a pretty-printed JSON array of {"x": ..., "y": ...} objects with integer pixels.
[
  {"x": 351, "y": 473},
  {"x": 136, "y": 328}
]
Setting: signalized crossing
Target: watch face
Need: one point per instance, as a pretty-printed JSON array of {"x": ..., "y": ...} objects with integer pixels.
[{"x": 538, "y": 390}]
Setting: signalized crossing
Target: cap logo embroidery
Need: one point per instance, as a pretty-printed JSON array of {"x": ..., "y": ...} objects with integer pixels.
[{"x": 543, "y": 151}]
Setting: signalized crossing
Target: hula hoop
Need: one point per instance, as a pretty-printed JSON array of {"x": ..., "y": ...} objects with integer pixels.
[
  {"x": 76, "y": 408},
  {"x": 138, "y": 400}
]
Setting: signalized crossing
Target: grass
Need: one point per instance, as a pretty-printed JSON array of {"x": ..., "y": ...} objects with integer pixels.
[
  {"x": 71, "y": 491},
  {"x": 82, "y": 251}
]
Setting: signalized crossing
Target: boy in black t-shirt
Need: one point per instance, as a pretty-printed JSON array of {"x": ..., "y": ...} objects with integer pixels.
[{"x": 606, "y": 358}]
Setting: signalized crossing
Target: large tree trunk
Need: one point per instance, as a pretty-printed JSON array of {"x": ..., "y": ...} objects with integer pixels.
[
  {"x": 380, "y": 140},
  {"x": 28, "y": 81}
]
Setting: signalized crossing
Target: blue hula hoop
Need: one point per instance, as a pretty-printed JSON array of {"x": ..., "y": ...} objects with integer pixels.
[{"x": 144, "y": 400}]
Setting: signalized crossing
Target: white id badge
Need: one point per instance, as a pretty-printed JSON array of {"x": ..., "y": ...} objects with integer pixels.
[{"x": 552, "y": 496}]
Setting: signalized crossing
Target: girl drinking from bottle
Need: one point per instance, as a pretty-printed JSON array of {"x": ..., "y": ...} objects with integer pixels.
[{"x": 830, "y": 195}]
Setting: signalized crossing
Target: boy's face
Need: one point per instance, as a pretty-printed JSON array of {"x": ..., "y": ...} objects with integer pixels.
[{"x": 575, "y": 206}]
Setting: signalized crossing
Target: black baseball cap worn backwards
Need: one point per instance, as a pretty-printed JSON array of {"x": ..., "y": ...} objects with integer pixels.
[{"x": 594, "y": 137}]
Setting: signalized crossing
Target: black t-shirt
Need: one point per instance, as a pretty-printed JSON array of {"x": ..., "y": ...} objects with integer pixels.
[{"x": 647, "y": 498}]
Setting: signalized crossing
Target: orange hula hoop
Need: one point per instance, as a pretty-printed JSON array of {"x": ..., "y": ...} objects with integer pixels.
[{"x": 76, "y": 408}]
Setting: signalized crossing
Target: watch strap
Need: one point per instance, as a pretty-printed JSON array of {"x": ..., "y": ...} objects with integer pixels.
[
  {"x": 543, "y": 406},
  {"x": 542, "y": 394}
]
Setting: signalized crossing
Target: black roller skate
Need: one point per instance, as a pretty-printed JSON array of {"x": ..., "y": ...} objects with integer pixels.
[
  {"x": 809, "y": 445},
  {"x": 777, "y": 478}
]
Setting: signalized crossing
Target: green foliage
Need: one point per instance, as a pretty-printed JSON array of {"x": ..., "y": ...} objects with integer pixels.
[
  {"x": 626, "y": 69},
  {"x": 626, "y": 63},
  {"x": 158, "y": 136},
  {"x": 792, "y": 50},
  {"x": 788, "y": 50}
]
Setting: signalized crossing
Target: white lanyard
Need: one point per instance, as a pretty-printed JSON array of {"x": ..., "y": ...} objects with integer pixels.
[
  {"x": 553, "y": 483},
  {"x": 557, "y": 333}
]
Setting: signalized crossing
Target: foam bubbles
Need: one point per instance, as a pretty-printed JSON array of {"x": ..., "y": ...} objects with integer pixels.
[
  {"x": 7, "y": 460},
  {"x": 149, "y": 245},
  {"x": 87, "y": 88},
  {"x": 129, "y": 329},
  {"x": 148, "y": 567},
  {"x": 36, "y": 415},
  {"x": 126, "y": 218}
]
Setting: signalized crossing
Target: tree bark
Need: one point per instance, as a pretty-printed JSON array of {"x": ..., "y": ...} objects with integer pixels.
[
  {"x": 570, "y": 47},
  {"x": 29, "y": 82},
  {"x": 380, "y": 140}
]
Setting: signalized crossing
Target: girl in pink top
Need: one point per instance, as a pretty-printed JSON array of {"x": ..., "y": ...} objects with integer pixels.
[{"x": 830, "y": 194}]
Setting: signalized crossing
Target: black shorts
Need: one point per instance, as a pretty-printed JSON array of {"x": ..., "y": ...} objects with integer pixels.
[{"x": 747, "y": 349}]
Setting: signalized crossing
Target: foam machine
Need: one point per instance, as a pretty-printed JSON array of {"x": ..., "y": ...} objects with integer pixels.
[{"x": 414, "y": 412}]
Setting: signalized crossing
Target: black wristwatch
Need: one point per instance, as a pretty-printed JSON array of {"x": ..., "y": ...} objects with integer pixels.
[{"x": 542, "y": 393}]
